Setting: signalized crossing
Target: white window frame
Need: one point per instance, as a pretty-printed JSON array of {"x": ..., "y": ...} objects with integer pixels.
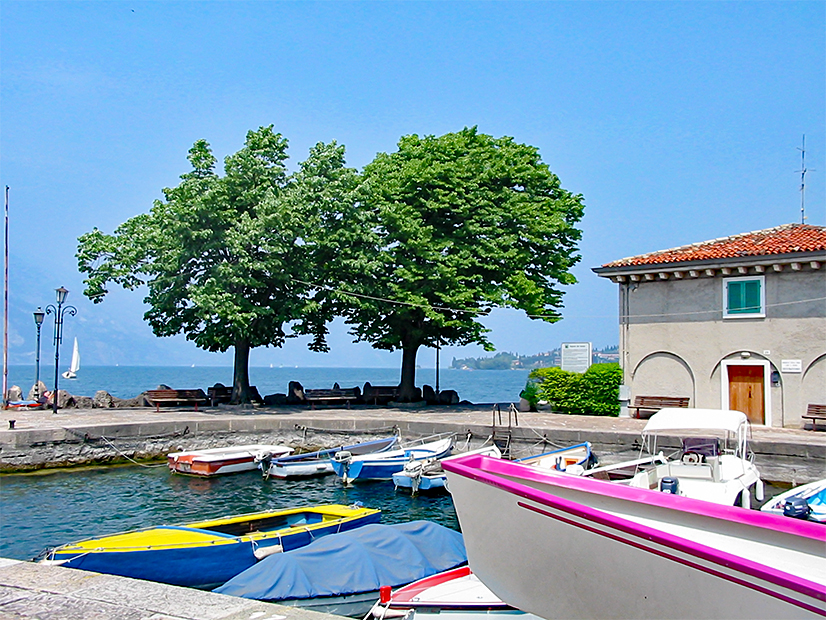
[{"x": 745, "y": 315}]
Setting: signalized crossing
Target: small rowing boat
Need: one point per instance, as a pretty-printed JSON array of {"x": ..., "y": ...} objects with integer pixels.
[
  {"x": 219, "y": 461},
  {"x": 206, "y": 554}
]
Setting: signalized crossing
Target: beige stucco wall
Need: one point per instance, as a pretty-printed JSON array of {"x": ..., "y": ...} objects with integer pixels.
[{"x": 676, "y": 342}]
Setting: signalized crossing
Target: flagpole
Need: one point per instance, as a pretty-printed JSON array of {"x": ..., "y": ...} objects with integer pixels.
[{"x": 6, "y": 311}]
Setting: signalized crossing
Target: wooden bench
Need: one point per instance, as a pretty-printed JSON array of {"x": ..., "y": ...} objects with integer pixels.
[
  {"x": 648, "y": 405},
  {"x": 380, "y": 394},
  {"x": 815, "y": 413},
  {"x": 178, "y": 397},
  {"x": 219, "y": 394},
  {"x": 334, "y": 395}
]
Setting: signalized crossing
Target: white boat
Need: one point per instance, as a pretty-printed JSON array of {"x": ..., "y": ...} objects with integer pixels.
[
  {"x": 318, "y": 463},
  {"x": 714, "y": 462},
  {"x": 456, "y": 594},
  {"x": 428, "y": 475},
  {"x": 573, "y": 457},
  {"x": 807, "y": 501},
  {"x": 219, "y": 461},
  {"x": 584, "y": 548},
  {"x": 74, "y": 366},
  {"x": 350, "y": 467}
]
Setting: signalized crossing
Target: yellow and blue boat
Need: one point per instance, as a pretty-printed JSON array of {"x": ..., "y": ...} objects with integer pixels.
[{"x": 206, "y": 554}]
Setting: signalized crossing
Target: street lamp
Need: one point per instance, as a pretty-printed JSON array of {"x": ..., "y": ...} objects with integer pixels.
[
  {"x": 39, "y": 315},
  {"x": 59, "y": 312}
]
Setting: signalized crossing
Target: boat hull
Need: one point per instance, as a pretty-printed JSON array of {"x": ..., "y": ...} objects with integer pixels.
[
  {"x": 200, "y": 555},
  {"x": 601, "y": 550},
  {"x": 383, "y": 466},
  {"x": 318, "y": 463}
]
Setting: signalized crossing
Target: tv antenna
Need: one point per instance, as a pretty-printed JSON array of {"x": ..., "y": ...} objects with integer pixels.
[{"x": 803, "y": 172}]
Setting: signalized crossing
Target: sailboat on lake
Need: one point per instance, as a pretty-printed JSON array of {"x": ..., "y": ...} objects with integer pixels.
[{"x": 75, "y": 365}]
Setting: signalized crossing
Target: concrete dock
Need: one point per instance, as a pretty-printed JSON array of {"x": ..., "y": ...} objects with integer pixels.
[{"x": 35, "y": 591}]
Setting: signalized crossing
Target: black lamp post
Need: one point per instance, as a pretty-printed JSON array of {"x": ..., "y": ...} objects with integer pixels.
[
  {"x": 59, "y": 312},
  {"x": 39, "y": 315}
]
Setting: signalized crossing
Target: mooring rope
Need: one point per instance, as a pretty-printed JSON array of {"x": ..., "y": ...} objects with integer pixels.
[{"x": 129, "y": 458}]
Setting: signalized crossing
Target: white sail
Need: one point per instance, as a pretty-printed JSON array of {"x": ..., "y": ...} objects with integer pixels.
[{"x": 75, "y": 365}]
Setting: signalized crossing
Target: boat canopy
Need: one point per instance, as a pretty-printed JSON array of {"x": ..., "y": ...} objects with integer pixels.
[
  {"x": 683, "y": 419},
  {"x": 361, "y": 560}
]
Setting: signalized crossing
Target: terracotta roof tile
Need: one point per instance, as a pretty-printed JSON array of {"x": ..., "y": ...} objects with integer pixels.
[{"x": 786, "y": 239}]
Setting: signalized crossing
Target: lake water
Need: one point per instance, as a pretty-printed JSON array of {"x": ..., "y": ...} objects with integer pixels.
[
  {"x": 47, "y": 509},
  {"x": 479, "y": 387}
]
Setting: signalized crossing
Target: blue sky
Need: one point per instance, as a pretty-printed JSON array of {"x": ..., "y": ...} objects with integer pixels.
[{"x": 677, "y": 121}]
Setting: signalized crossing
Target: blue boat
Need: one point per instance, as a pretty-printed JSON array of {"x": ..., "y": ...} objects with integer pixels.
[
  {"x": 429, "y": 475},
  {"x": 350, "y": 467},
  {"x": 207, "y": 553},
  {"x": 342, "y": 574},
  {"x": 579, "y": 455},
  {"x": 318, "y": 463}
]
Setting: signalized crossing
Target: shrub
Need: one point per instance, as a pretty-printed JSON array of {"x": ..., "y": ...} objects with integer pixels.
[{"x": 595, "y": 392}]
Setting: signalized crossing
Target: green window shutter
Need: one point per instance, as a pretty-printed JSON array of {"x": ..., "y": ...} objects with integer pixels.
[{"x": 744, "y": 297}]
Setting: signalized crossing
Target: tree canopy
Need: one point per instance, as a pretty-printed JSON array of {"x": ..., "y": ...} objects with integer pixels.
[
  {"x": 460, "y": 224},
  {"x": 412, "y": 252},
  {"x": 220, "y": 255}
]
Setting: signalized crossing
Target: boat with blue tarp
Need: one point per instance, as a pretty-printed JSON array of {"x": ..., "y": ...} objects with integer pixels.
[
  {"x": 343, "y": 573},
  {"x": 206, "y": 554}
]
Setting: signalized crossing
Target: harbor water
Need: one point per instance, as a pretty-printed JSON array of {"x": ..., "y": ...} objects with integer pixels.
[
  {"x": 46, "y": 509},
  {"x": 480, "y": 386}
]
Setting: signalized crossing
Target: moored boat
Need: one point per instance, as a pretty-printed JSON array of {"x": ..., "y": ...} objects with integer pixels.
[
  {"x": 342, "y": 574},
  {"x": 382, "y": 466},
  {"x": 807, "y": 501},
  {"x": 206, "y": 554},
  {"x": 456, "y": 594},
  {"x": 428, "y": 475},
  {"x": 561, "y": 459},
  {"x": 615, "y": 551},
  {"x": 319, "y": 463},
  {"x": 714, "y": 462},
  {"x": 219, "y": 461}
]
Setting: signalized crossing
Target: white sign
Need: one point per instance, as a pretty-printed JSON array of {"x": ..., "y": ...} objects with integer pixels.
[
  {"x": 791, "y": 365},
  {"x": 576, "y": 356}
]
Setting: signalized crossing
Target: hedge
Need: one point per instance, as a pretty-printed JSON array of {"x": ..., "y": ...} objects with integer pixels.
[{"x": 594, "y": 392}]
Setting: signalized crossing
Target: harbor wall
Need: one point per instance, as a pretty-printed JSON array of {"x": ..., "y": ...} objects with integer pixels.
[{"x": 786, "y": 460}]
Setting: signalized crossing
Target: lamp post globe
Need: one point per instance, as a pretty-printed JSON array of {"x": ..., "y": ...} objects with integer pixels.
[
  {"x": 39, "y": 315},
  {"x": 59, "y": 312}
]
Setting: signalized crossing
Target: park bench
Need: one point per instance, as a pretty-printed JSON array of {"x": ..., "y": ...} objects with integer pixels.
[
  {"x": 177, "y": 397},
  {"x": 219, "y": 394},
  {"x": 380, "y": 394},
  {"x": 646, "y": 406},
  {"x": 334, "y": 395},
  {"x": 815, "y": 413}
]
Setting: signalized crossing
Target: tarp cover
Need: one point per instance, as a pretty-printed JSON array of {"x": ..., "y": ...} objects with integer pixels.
[{"x": 361, "y": 560}]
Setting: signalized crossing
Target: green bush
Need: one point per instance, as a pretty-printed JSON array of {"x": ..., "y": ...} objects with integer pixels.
[{"x": 595, "y": 392}]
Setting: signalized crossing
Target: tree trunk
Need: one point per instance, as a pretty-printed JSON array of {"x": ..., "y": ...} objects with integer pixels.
[
  {"x": 407, "y": 385},
  {"x": 241, "y": 373}
]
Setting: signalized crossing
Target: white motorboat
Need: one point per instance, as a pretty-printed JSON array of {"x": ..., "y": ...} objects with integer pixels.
[
  {"x": 807, "y": 501},
  {"x": 428, "y": 475},
  {"x": 584, "y": 548},
  {"x": 219, "y": 461},
  {"x": 350, "y": 467},
  {"x": 318, "y": 463},
  {"x": 714, "y": 462}
]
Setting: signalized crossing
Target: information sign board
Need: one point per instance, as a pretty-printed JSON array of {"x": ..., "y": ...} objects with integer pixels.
[{"x": 576, "y": 356}]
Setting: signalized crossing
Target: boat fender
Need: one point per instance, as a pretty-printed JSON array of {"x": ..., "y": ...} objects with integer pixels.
[
  {"x": 263, "y": 552},
  {"x": 797, "y": 507}
]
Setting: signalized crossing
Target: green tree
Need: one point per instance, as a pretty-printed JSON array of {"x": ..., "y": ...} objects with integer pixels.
[
  {"x": 220, "y": 255},
  {"x": 460, "y": 224}
]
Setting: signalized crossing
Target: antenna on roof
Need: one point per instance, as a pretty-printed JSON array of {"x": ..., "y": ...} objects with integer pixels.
[{"x": 803, "y": 172}]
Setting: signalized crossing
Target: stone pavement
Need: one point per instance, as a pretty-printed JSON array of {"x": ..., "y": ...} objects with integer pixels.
[{"x": 36, "y": 591}]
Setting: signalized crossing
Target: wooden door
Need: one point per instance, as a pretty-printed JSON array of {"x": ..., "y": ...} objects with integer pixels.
[{"x": 746, "y": 390}]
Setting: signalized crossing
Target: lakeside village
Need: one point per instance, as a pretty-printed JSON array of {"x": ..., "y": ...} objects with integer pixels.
[
  {"x": 514, "y": 361},
  {"x": 682, "y": 509}
]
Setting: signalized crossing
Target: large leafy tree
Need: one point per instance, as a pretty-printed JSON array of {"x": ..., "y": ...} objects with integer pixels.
[
  {"x": 461, "y": 224},
  {"x": 221, "y": 256}
]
